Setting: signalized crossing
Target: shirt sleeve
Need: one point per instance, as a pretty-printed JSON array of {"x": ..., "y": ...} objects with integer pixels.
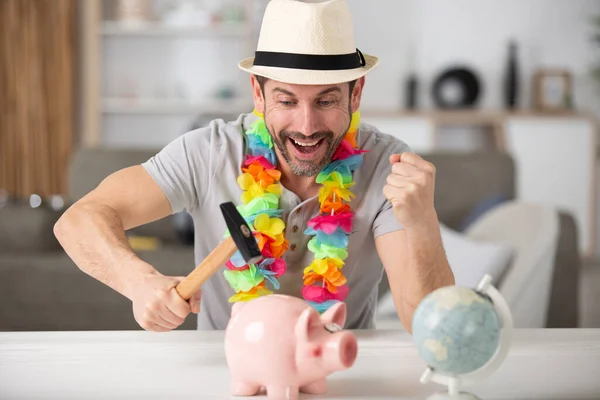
[
  {"x": 385, "y": 220},
  {"x": 181, "y": 169}
]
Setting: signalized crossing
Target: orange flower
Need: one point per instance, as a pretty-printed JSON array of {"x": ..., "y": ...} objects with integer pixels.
[
  {"x": 277, "y": 251},
  {"x": 264, "y": 177},
  {"x": 332, "y": 277},
  {"x": 338, "y": 206},
  {"x": 351, "y": 138},
  {"x": 261, "y": 240}
]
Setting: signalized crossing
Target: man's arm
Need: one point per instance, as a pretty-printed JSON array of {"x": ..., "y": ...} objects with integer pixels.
[
  {"x": 416, "y": 264},
  {"x": 92, "y": 231},
  {"x": 413, "y": 257}
]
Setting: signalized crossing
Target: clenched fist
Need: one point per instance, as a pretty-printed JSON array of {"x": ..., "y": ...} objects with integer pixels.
[
  {"x": 158, "y": 307},
  {"x": 410, "y": 188}
]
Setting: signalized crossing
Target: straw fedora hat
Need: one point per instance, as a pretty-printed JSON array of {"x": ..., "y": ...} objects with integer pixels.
[{"x": 308, "y": 42}]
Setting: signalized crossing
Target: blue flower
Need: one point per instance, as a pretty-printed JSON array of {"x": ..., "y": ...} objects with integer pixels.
[
  {"x": 267, "y": 273},
  {"x": 339, "y": 238},
  {"x": 322, "y": 307}
]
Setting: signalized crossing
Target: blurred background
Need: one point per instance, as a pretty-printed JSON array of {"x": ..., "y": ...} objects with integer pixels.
[{"x": 502, "y": 96}]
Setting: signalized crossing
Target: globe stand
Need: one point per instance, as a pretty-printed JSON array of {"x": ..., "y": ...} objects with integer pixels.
[{"x": 455, "y": 383}]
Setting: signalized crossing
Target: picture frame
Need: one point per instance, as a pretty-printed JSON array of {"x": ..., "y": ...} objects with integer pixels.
[{"x": 552, "y": 90}]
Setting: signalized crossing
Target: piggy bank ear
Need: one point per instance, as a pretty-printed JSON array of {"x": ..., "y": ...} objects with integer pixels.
[
  {"x": 336, "y": 314},
  {"x": 309, "y": 319}
]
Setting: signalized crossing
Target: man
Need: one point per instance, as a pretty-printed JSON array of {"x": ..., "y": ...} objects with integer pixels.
[{"x": 307, "y": 79}]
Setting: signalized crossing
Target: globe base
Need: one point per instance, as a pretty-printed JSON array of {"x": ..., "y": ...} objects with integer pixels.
[{"x": 448, "y": 396}]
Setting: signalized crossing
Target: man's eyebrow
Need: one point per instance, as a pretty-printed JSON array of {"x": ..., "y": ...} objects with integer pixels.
[
  {"x": 281, "y": 90},
  {"x": 330, "y": 90}
]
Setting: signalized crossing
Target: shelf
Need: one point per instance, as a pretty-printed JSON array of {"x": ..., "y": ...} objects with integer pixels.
[
  {"x": 470, "y": 117},
  {"x": 174, "y": 106},
  {"x": 153, "y": 29}
]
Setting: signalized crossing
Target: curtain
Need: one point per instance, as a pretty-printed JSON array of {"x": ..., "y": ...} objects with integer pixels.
[{"x": 37, "y": 83}]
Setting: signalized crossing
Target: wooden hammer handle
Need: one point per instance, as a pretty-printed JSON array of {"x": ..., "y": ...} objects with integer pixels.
[{"x": 208, "y": 267}]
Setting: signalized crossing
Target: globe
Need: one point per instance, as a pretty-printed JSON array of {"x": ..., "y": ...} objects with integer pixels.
[{"x": 456, "y": 330}]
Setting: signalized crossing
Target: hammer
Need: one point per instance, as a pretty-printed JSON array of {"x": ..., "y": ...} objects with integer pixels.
[{"x": 241, "y": 238}]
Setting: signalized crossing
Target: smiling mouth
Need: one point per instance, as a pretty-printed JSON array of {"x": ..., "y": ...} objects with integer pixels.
[{"x": 307, "y": 147}]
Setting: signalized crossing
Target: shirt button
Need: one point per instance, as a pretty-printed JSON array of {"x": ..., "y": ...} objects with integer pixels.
[
  {"x": 298, "y": 210},
  {"x": 293, "y": 247},
  {"x": 295, "y": 228}
]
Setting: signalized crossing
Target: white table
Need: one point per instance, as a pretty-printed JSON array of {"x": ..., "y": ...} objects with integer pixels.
[{"x": 548, "y": 364}]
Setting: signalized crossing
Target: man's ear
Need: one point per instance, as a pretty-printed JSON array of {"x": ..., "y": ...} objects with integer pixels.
[
  {"x": 356, "y": 95},
  {"x": 257, "y": 94}
]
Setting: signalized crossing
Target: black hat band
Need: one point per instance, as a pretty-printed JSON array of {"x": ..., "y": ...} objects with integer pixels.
[{"x": 320, "y": 62}]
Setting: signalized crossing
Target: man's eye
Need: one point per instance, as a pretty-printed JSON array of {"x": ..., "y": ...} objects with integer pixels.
[
  {"x": 325, "y": 103},
  {"x": 286, "y": 103}
]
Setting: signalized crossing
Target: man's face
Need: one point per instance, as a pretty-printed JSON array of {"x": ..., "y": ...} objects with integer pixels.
[{"x": 307, "y": 122}]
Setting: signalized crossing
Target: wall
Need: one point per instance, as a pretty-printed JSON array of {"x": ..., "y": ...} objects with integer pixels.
[{"x": 551, "y": 33}]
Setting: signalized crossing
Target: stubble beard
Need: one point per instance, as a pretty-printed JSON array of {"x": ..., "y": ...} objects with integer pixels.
[{"x": 301, "y": 167}]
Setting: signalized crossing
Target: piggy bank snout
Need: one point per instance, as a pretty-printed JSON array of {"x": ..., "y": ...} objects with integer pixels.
[{"x": 341, "y": 351}]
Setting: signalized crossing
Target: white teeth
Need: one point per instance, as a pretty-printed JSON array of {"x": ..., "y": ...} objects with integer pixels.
[{"x": 306, "y": 144}]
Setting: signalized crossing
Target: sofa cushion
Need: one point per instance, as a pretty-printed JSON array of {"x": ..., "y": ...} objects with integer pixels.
[
  {"x": 89, "y": 167},
  {"x": 47, "y": 292},
  {"x": 463, "y": 180},
  {"x": 470, "y": 260},
  {"x": 26, "y": 230}
]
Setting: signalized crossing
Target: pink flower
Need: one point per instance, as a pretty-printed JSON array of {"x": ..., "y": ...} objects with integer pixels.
[
  {"x": 329, "y": 223},
  {"x": 261, "y": 160},
  {"x": 232, "y": 267},
  {"x": 320, "y": 294},
  {"x": 345, "y": 150},
  {"x": 278, "y": 267}
]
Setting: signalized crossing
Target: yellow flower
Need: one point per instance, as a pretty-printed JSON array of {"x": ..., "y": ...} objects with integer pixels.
[
  {"x": 269, "y": 226},
  {"x": 254, "y": 191},
  {"x": 321, "y": 266},
  {"x": 255, "y": 292},
  {"x": 340, "y": 190},
  {"x": 355, "y": 122},
  {"x": 245, "y": 181}
]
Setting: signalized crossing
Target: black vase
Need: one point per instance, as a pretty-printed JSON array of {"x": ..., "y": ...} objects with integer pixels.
[
  {"x": 511, "y": 79},
  {"x": 411, "y": 92}
]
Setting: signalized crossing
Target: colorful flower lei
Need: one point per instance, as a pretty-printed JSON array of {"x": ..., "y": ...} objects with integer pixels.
[{"x": 324, "y": 282}]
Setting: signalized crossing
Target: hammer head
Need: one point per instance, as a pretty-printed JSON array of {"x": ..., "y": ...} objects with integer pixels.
[{"x": 241, "y": 233}]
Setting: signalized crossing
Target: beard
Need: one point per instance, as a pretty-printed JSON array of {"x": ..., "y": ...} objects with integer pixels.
[{"x": 306, "y": 168}]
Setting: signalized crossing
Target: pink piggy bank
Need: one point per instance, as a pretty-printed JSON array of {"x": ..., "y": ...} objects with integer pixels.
[{"x": 281, "y": 343}]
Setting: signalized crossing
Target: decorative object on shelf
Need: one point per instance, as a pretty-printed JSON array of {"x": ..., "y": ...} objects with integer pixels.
[
  {"x": 188, "y": 13},
  {"x": 225, "y": 92},
  {"x": 133, "y": 13},
  {"x": 412, "y": 82},
  {"x": 511, "y": 78},
  {"x": 463, "y": 334},
  {"x": 233, "y": 13},
  {"x": 412, "y": 87},
  {"x": 552, "y": 90},
  {"x": 282, "y": 344},
  {"x": 455, "y": 88},
  {"x": 596, "y": 39}
]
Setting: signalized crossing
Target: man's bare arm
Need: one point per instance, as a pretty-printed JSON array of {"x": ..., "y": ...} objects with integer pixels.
[
  {"x": 92, "y": 231},
  {"x": 416, "y": 265}
]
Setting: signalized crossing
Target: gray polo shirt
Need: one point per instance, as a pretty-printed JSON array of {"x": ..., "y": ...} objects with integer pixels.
[{"x": 198, "y": 172}]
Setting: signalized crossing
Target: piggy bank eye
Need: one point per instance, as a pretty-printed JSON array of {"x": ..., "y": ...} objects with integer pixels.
[{"x": 333, "y": 327}]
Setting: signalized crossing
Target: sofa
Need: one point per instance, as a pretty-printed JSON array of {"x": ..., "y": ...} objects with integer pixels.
[{"x": 41, "y": 289}]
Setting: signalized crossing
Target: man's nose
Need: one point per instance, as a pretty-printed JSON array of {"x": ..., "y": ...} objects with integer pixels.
[{"x": 310, "y": 121}]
